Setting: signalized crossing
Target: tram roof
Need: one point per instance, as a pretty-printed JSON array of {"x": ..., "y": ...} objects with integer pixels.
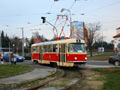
[{"x": 59, "y": 42}]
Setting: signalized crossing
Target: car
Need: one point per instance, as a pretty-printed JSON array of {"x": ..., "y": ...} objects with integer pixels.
[
  {"x": 115, "y": 59},
  {"x": 6, "y": 56},
  {"x": 28, "y": 56},
  {"x": 19, "y": 58}
]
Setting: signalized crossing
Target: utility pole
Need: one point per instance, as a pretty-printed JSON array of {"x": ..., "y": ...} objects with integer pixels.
[
  {"x": 22, "y": 41},
  {"x": 0, "y": 42}
]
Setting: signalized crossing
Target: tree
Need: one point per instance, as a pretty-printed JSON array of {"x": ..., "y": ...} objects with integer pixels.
[
  {"x": 16, "y": 44},
  {"x": 39, "y": 37},
  {"x": 2, "y": 39},
  {"x": 107, "y": 46},
  {"x": 90, "y": 32},
  {"x": 31, "y": 41},
  {"x": 5, "y": 40}
]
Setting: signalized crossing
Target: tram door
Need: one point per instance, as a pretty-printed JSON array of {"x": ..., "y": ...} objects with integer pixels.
[
  {"x": 41, "y": 53},
  {"x": 62, "y": 52}
]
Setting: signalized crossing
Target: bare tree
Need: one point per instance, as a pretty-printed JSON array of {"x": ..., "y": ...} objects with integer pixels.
[
  {"x": 91, "y": 34},
  {"x": 16, "y": 44},
  {"x": 39, "y": 37}
]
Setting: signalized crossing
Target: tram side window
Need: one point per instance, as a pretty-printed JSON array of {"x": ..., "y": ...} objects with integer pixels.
[
  {"x": 37, "y": 49},
  {"x": 33, "y": 49},
  {"x": 50, "y": 48},
  {"x": 55, "y": 48},
  {"x": 45, "y": 49}
]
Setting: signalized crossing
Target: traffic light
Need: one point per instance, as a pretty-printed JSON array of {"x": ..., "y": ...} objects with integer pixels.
[{"x": 44, "y": 19}]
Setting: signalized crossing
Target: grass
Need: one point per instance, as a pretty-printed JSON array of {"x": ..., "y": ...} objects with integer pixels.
[
  {"x": 8, "y": 70},
  {"x": 102, "y": 57},
  {"x": 112, "y": 78}
]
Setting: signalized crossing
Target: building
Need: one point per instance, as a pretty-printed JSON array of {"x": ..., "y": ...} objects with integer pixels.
[
  {"x": 77, "y": 30},
  {"x": 117, "y": 40}
]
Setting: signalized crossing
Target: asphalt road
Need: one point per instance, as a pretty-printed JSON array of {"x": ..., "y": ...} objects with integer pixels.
[
  {"x": 26, "y": 62},
  {"x": 91, "y": 63},
  {"x": 29, "y": 62},
  {"x": 98, "y": 64}
]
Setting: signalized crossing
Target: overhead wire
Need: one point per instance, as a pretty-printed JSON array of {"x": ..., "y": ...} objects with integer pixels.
[
  {"x": 72, "y": 4},
  {"x": 51, "y": 7},
  {"x": 114, "y": 3}
]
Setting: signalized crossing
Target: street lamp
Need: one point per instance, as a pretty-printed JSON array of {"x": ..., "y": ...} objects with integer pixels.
[
  {"x": 22, "y": 40},
  {"x": 62, "y": 10},
  {"x": 13, "y": 47}
]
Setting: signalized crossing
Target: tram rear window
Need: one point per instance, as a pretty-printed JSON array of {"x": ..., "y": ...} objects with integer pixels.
[{"x": 76, "y": 47}]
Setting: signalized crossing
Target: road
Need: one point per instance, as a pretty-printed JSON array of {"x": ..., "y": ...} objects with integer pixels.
[
  {"x": 90, "y": 63},
  {"x": 98, "y": 64},
  {"x": 29, "y": 62}
]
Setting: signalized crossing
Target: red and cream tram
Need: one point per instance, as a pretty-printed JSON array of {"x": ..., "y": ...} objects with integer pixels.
[{"x": 67, "y": 52}]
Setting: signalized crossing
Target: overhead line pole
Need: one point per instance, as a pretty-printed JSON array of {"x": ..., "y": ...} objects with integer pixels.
[
  {"x": 0, "y": 42},
  {"x": 22, "y": 41}
]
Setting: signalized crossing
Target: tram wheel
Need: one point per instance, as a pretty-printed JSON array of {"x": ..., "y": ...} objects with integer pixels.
[{"x": 55, "y": 65}]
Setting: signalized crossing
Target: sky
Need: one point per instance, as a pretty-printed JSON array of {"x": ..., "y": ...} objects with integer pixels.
[{"x": 15, "y": 14}]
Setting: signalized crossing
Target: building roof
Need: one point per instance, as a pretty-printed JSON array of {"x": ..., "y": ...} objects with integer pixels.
[
  {"x": 118, "y": 35},
  {"x": 36, "y": 40}
]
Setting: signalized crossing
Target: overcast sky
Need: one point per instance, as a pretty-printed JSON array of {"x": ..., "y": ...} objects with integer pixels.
[{"x": 15, "y": 14}]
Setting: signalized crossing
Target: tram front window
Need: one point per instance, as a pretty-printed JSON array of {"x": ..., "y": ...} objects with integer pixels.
[{"x": 76, "y": 47}]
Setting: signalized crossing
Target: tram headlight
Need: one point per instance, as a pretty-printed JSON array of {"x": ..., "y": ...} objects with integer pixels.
[
  {"x": 85, "y": 58},
  {"x": 75, "y": 58}
]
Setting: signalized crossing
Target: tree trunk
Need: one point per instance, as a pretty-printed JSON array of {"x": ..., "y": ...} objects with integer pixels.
[{"x": 90, "y": 49}]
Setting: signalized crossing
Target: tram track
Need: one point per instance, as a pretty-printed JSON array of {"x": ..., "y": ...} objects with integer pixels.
[
  {"x": 80, "y": 76},
  {"x": 46, "y": 82},
  {"x": 80, "y": 79},
  {"x": 72, "y": 75}
]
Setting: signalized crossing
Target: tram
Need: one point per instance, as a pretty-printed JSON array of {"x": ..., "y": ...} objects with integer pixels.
[{"x": 66, "y": 52}]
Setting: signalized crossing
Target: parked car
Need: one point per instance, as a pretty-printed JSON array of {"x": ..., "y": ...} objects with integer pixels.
[
  {"x": 6, "y": 56},
  {"x": 28, "y": 56},
  {"x": 115, "y": 60},
  {"x": 19, "y": 58}
]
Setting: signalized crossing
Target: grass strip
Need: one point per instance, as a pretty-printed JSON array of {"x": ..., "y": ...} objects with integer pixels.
[
  {"x": 112, "y": 78},
  {"x": 102, "y": 57},
  {"x": 8, "y": 70}
]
